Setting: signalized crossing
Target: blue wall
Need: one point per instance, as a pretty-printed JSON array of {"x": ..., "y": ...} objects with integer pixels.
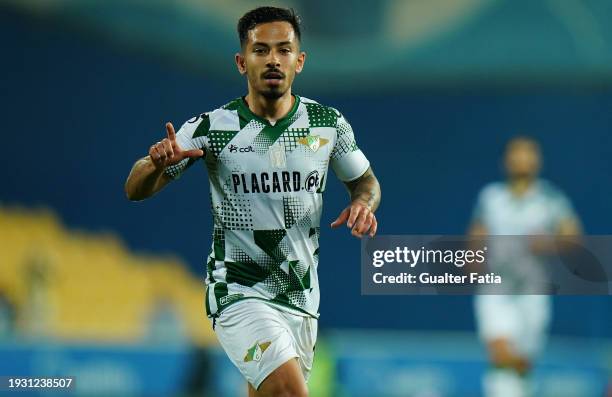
[{"x": 78, "y": 113}]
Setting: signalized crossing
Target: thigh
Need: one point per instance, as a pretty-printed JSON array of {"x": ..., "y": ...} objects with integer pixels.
[
  {"x": 286, "y": 380},
  {"x": 536, "y": 310},
  {"x": 497, "y": 317},
  {"x": 256, "y": 338},
  {"x": 306, "y": 337}
]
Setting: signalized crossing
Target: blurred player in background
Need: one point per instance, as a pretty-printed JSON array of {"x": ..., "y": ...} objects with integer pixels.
[
  {"x": 514, "y": 327},
  {"x": 267, "y": 156}
]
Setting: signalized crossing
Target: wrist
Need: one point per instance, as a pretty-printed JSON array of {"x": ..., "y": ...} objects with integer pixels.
[
  {"x": 363, "y": 202},
  {"x": 154, "y": 168}
]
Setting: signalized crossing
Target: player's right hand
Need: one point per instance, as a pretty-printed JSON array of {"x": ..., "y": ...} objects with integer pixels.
[{"x": 167, "y": 151}]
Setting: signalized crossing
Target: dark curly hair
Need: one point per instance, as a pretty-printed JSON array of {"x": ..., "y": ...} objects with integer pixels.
[{"x": 267, "y": 14}]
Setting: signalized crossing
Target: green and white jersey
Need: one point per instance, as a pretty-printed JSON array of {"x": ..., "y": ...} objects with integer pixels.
[
  {"x": 266, "y": 186},
  {"x": 539, "y": 211}
]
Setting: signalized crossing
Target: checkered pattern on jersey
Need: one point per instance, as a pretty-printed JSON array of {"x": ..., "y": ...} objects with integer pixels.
[
  {"x": 320, "y": 116},
  {"x": 290, "y": 138},
  {"x": 218, "y": 140},
  {"x": 345, "y": 142},
  {"x": 234, "y": 212},
  {"x": 293, "y": 210}
]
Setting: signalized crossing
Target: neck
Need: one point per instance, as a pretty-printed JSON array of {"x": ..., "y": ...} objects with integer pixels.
[
  {"x": 270, "y": 109},
  {"x": 520, "y": 185}
]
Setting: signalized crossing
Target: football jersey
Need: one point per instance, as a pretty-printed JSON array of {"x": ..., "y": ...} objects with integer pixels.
[
  {"x": 266, "y": 185},
  {"x": 538, "y": 212}
]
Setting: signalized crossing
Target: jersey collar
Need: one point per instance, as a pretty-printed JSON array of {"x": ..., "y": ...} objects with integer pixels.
[{"x": 280, "y": 123}]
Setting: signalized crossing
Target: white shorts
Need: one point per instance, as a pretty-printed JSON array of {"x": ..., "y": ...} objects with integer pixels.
[
  {"x": 258, "y": 338},
  {"x": 521, "y": 319}
]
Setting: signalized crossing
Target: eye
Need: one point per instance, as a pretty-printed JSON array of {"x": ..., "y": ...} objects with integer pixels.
[
  {"x": 259, "y": 50},
  {"x": 285, "y": 50}
]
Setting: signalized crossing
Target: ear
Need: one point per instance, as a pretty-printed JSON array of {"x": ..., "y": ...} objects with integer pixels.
[
  {"x": 240, "y": 63},
  {"x": 300, "y": 62}
]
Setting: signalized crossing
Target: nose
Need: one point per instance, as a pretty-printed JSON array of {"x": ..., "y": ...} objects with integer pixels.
[{"x": 273, "y": 60}]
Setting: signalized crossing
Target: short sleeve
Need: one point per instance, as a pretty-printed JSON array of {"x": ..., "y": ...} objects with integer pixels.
[
  {"x": 346, "y": 159},
  {"x": 562, "y": 209},
  {"x": 192, "y": 135},
  {"x": 478, "y": 210},
  {"x": 486, "y": 196}
]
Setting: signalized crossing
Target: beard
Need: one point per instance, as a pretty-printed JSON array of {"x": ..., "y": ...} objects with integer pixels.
[
  {"x": 269, "y": 91},
  {"x": 273, "y": 93},
  {"x": 523, "y": 174}
]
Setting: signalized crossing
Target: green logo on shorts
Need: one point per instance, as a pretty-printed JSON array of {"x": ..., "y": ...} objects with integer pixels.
[
  {"x": 255, "y": 352},
  {"x": 227, "y": 299}
]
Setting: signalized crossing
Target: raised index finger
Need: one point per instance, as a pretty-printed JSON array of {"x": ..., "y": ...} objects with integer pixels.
[{"x": 170, "y": 131}]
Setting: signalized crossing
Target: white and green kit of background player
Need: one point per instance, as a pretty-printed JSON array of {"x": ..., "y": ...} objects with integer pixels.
[
  {"x": 517, "y": 317},
  {"x": 266, "y": 185}
]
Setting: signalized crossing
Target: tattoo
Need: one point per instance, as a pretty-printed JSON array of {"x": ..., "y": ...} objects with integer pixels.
[{"x": 365, "y": 189}]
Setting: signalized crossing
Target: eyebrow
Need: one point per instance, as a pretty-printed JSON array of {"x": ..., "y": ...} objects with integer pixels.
[{"x": 282, "y": 43}]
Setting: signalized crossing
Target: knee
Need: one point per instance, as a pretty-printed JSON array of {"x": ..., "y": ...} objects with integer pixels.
[{"x": 510, "y": 361}]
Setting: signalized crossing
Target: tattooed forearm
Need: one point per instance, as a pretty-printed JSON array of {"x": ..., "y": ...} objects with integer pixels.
[{"x": 365, "y": 189}]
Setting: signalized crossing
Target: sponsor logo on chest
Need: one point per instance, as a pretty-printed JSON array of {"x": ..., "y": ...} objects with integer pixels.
[{"x": 276, "y": 182}]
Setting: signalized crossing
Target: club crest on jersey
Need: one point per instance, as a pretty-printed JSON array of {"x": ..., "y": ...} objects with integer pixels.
[
  {"x": 314, "y": 142},
  {"x": 254, "y": 353}
]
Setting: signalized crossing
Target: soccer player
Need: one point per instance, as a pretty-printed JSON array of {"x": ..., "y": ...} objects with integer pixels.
[
  {"x": 514, "y": 326},
  {"x": 267, "y": 156}
]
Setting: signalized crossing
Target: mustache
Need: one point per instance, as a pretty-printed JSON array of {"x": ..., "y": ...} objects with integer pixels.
[{"x": 273, "y": 73}]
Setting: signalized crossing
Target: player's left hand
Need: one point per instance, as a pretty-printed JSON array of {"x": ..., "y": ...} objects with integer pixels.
[{"x": 359, "y": 218}]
